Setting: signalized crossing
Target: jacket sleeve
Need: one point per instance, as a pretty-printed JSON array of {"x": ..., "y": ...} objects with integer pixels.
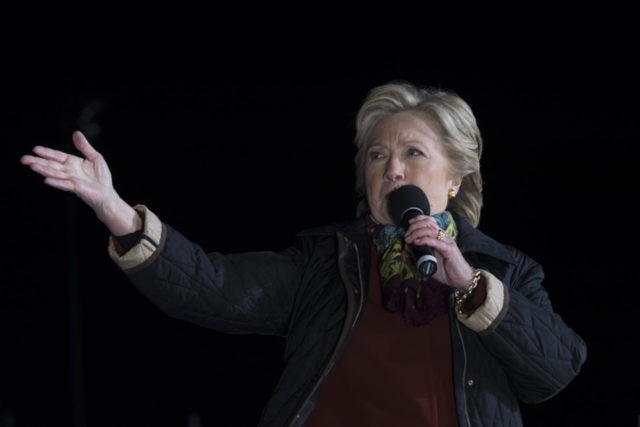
[
  {"x": 538, "y": 351},
  {"x": 235, "y": 293}
]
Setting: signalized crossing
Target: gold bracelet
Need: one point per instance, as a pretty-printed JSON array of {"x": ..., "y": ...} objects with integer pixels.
[{"x": 461, "y": 297}]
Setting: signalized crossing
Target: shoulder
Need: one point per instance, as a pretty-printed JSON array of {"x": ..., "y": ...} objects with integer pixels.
[
  {"x": 479, "y": 246},
  {"x": 331, "y": 236}
]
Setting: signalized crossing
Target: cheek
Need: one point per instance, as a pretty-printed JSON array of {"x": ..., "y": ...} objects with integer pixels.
[
  {"x": 373, "y": 183},
  {"x": 439, "y": 197},
  {"x": 369, "y": 177}
]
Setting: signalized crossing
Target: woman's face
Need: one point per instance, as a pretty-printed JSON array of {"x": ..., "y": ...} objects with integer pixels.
[{"x": 404, "y": 149}]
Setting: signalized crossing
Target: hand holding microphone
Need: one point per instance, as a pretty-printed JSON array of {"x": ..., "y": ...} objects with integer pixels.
[{"x": 405, "y": 203}]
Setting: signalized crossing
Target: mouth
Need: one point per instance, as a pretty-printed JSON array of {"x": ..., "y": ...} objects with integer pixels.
[{"x": 390, "y": 192}]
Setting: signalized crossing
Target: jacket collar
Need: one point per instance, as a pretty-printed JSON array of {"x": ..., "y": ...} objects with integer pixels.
[{"x": 473, "y": 241}]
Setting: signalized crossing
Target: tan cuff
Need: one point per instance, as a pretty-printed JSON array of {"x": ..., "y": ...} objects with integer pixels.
[
  {"x": 491, "y": 311},
  {"x": 151, "y": 238}
]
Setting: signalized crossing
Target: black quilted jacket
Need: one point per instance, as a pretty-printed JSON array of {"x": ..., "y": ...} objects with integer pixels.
[{"x": 312, "y": 294}]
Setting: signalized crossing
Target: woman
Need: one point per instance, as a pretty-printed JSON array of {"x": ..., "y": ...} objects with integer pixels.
[{"x": 369, "y": 340}]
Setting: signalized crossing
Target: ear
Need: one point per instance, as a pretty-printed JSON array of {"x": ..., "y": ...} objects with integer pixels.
[{"x": 455, "y": 183}]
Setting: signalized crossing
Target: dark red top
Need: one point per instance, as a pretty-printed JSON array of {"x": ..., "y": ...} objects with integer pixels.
[{"x": 391, "y": 373}]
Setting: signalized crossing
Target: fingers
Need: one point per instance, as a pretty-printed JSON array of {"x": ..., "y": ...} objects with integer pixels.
[
  {"x": 27, "y": 159},
  {"x": 425, "y": 230},
  {"x": 44, "y": 167},
  {"x": 44, "y": 153},
  {"x": 82, "y": 144},
  {"x": 420, "y": 229},
  {"x": 48, "y": 157},
  {"x": 66, "y": 171},
  {"x": 53, "y": 172}
]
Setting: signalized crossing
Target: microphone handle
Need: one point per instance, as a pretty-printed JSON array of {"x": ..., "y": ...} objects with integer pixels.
[{"x": 427, "y": 264}]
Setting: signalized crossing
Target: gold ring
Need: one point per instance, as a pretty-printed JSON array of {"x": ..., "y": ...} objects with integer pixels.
[{"x": 440, "y": 235}]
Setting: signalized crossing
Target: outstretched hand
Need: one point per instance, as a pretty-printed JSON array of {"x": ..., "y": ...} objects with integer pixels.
[{"x": 89, "y": 178}]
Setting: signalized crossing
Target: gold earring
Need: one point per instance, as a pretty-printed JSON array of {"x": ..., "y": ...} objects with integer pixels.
[{"x": 452, "y": 193}]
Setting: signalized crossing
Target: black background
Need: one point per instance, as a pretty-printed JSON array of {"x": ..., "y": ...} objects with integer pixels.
[{"x": 237, "y": 130}]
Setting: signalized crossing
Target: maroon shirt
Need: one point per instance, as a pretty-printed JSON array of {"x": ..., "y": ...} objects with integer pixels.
[{"x": 391, "y": 373}]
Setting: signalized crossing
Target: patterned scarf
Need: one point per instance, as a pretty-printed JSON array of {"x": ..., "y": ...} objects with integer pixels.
[{"x": 418, "y": 300}]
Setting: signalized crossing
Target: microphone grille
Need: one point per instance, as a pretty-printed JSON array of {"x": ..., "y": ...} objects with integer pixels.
[{"x": 406, "y": 198}]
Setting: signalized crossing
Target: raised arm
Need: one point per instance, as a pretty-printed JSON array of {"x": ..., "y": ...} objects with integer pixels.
[{"x": 89, "y": 178}]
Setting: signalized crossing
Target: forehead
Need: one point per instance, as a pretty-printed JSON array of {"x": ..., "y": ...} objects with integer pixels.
[{"x": 404, "y": 127}]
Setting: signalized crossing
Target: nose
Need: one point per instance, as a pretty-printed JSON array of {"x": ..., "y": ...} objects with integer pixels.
[{"x": 394, "y": 170}]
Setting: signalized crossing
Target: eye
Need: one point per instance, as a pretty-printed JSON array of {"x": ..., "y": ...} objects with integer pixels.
[
  {"x": 414, "y": 152},
  {"x": 375, "y": 155}
]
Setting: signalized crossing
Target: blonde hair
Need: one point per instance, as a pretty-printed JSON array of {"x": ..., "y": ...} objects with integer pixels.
[{"x": 457, "y": 130}]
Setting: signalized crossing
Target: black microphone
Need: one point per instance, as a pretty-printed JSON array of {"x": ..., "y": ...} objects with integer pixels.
[{"x": 405, "y": 203}]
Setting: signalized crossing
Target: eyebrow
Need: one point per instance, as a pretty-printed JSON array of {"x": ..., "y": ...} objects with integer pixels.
[{"x": 402, "y": 142}]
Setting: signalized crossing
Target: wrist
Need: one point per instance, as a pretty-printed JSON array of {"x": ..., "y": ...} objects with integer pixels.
[
  {"x": 462, "y": 296},
  {"x": 120, "y": 218}
]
